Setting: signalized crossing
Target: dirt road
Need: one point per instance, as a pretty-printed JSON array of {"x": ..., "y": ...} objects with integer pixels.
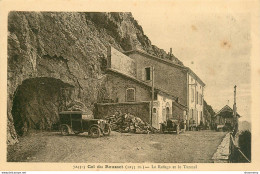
[{"x": 188, "y": 147}]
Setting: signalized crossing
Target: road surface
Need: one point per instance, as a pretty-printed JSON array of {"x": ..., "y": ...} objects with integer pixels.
[{"x": 188, "y": 147}]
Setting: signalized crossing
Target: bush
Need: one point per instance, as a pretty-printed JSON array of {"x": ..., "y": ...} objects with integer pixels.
[{"x": 244, "y": 143}]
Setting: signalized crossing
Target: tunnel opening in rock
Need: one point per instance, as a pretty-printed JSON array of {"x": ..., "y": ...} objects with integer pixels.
[{"x": 37, "y": 102}]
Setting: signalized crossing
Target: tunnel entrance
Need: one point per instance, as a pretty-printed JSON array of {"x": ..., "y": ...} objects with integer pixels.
[{"x": 37, "y": 102}]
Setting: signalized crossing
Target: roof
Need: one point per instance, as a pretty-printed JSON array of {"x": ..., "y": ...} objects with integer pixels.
[
  {"x": 159, "y": 90},
  {"x": 72, "y": 112},
  {"x": 168, "y": 62},
  {"x": 225, "y": 112},
  {"x": 181, "y": 106}
]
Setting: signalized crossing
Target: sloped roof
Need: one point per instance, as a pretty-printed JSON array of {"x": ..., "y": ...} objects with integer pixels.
[{"x": 226, "y": 112}]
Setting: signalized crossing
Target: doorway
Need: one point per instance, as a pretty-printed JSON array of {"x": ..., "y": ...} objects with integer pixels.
[{"x": 155, "y": 121}]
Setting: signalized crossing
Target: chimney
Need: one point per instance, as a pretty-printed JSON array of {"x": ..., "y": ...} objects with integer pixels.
[{"x": 170, "y": 51}]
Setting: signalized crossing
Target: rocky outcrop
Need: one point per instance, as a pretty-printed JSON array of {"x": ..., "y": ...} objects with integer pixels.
[{"x": 49, "y": 52}]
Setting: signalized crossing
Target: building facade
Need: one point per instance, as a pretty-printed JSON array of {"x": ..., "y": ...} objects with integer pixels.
[
  {"x": 124, "y": 89},
  {"x": 195, "y": 100},
  {"x": 168, "y": 76},
  {"x": 130, "y": 77},
  {"x": 179, "y": 80}
]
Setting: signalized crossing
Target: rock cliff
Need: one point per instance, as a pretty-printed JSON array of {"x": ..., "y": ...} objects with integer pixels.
[{"x": 50, "y": 54}]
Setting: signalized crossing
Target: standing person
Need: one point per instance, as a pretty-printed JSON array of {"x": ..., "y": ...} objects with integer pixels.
[{"x": 185, "y": 120}]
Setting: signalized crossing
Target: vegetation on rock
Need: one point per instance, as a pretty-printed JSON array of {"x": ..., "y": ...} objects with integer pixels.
[{"x": 244, "y": 142}]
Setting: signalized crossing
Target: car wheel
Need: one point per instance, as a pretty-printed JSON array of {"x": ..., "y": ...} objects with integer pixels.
[
  {"x": 64, "y": 130},
  {"x": 94, "y": 132},
  {"x": 107, "y": 130}
]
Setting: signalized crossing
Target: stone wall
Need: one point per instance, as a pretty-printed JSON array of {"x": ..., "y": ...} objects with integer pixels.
[
  {"x": 223, "y": 151},
  {"x": 121, "y": 62}
]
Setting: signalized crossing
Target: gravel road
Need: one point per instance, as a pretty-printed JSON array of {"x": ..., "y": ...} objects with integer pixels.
[{"x": 188, "y": 147}]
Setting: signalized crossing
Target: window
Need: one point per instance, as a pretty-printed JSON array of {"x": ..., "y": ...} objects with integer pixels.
[
  {"x": 197, "y": 116},
  {"x": 201, "y": 99},
  {"x": 155, "y": 97},
  {"x": 154, "y": 110},
  {"x": 130, "y": 94},
  {"x": 148, "y": 73},
  {"x": 192, "y": 95}
]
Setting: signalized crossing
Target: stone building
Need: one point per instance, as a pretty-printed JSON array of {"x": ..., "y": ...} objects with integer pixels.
[
  {"x": 179, "y": 80},
  {"x": 129, "y": 80}
]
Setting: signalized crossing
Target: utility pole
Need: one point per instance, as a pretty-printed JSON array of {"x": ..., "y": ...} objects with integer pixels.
[
  {"x": 235, "y": 110},
  {"x": 234, "y": 107},
  {"x": 152, "y": 95},
  {"x": 196, "y": 100}
]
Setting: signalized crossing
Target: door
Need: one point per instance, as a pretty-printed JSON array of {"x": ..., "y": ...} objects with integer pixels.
[
  {"x": 76, "y": 121},
  {"x": 164, "y": 115},
  {"x": 167, "y": 113},
  {"x": 155, "y": 121}
]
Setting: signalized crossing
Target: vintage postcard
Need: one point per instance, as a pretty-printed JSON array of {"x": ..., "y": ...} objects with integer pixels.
[{"x": 130, "y": 85}]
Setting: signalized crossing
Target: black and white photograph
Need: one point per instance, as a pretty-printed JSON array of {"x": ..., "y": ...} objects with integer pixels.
[{"x": 167, "y": 87}]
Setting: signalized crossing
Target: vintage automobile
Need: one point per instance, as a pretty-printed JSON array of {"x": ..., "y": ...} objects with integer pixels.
[
  {"x": 225, "y": 127},
  {"x": 170, "y": 126},
  {"x": 78, "y": 122}
]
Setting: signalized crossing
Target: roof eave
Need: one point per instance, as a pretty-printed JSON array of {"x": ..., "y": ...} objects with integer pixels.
[{"x": 197, "y": 77}]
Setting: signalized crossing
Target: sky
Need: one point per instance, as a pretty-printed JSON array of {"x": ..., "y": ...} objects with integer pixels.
[{"x": 216, "y": 46}]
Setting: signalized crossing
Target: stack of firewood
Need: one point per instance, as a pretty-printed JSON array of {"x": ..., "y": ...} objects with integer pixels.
[{"x": 129, "y": 123}]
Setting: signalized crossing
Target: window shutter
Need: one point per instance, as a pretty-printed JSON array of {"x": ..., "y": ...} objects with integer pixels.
[
  {"x": 192, "y": 94},
  {"x": 143, "y": 74}
]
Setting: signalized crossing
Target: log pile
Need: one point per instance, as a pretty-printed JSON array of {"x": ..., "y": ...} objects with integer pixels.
[{"x": 127, "y": 123}]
